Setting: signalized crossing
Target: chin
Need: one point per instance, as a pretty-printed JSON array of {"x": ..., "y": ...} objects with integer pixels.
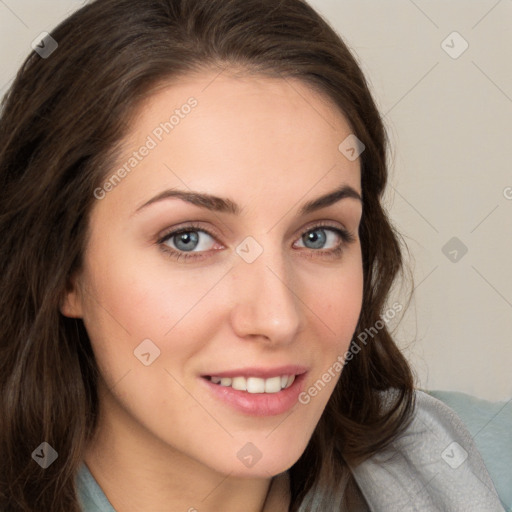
[{"x": 251, "y": 462}]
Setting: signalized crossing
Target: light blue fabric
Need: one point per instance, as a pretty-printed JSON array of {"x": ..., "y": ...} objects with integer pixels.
[
  {"x": 433, "y": 466},
  {"x": 490, "y": 425},
  {"x": 90, "y": 494}
]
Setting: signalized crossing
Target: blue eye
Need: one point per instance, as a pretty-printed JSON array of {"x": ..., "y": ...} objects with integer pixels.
[
  {"x": 318, "y": 237},
  {"x": 191, "y": 242},
  {"x": 186, "y": 240}
]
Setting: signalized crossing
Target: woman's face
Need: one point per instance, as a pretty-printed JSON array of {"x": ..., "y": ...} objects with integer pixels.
[{"x": 259, "y": 289}]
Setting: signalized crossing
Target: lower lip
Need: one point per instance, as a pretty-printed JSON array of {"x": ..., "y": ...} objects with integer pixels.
[{"x": 258, "y": 404}]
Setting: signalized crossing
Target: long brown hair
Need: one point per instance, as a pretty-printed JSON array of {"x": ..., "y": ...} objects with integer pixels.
[{"x": 61, "y": 124}]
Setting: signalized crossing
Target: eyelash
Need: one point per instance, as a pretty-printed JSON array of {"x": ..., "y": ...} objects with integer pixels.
[{"x": 346, "y": 237}]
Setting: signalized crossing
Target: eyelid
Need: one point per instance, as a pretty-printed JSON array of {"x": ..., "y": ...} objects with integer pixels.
[{"x": 188, "y": 226}]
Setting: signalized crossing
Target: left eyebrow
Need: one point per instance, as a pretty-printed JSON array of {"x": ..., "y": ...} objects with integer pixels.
[
  {"x": 226, "y": 205},
  {"x": 330, "y": 198}
]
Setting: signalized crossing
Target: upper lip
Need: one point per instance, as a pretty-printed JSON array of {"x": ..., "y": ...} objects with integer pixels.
[{"x": 264, "y": 373}]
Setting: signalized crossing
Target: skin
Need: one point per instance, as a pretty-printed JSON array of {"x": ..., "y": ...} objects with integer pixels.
[{"x": 164, "y": 442}]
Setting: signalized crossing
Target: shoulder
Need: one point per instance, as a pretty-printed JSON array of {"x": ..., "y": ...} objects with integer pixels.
[{"x": 433, "y": 465}]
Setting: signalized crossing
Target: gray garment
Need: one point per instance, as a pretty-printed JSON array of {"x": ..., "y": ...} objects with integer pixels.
[{"x": 433, "y": 466}]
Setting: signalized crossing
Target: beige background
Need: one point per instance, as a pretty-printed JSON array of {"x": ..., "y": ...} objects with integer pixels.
[{"x": 449, "y": 120}]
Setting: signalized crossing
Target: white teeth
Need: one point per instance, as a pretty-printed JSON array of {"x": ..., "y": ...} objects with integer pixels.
[
  {"x": 256, "y": 384},
  {"x": 239, "y": 383},
  {"x": 273, "y": 385}
]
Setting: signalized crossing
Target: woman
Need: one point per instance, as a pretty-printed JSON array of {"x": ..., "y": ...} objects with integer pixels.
[{"x": 196, "y": 269}]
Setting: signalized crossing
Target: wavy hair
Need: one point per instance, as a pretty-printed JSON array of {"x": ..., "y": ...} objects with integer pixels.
[{"x": 61, "y": 125}]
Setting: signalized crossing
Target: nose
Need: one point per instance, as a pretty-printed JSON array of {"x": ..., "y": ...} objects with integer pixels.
[{"x": 265, "y": 304}]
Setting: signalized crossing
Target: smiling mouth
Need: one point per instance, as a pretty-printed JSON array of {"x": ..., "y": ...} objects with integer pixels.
[{"x": 254, "y": 384}]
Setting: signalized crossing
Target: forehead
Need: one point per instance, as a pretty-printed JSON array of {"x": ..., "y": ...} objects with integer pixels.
[{"x": 245, "y": 136}]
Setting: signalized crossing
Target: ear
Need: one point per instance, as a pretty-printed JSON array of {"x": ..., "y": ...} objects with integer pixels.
[{"x": 71, "y": 303}]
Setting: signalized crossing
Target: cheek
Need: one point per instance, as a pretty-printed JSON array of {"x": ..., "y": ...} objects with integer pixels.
[
  {"x": 340, "y": 305},
  {"x": 141, "y": 297},
  {"x": 339, "y": 308},
  {"x": 131, "y": 300}
]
